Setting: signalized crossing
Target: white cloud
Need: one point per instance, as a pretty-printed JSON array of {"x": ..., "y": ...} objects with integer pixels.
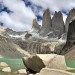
[
  {"x": 20, "y": 19},
  {"x": 55, "y": 5},
  {"x": 22, "y": 16}
]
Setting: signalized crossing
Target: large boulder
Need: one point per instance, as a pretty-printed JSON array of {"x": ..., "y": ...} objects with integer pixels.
[
  {"x": 33, "y": 64},
  {"x": 53, "y": 61},
  {"x": 46, "y": 24},
  {"x": 3, "y": 64},
  {"x": 6, "y": 69},
  {"x": 70, "y": 17},
  {"x": 58, "y": 24},
  {"x": 48, "y": 71},
  {"x": 36, "y": 62}
]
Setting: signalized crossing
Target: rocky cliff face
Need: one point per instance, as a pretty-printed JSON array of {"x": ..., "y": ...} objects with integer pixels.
[
  {"x": 46, "y": 24},
  {"x": 70, "y": 17},
  {"x": 70, "y": 38},
  {"x": 35, "y": 25},
  {"x": 58, "y": 24}
]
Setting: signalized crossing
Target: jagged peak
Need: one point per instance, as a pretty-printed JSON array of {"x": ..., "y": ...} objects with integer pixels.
[
  {"x": 35, "y": 24},
  {"x": 47, "y": 12},
  {"x": 58, "y": 13},
  {"x": 71, "y": 12}
]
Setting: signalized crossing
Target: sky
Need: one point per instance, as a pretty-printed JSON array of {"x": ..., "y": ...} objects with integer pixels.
[{"x": 19, "y": 14}]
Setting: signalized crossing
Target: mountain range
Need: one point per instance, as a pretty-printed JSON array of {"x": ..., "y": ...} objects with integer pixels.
[{"x": 54, "y": 36}]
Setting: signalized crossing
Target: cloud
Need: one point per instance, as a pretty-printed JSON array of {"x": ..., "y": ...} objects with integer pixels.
[
  {"x": 20, "y": 19},
  {"x": 55, "y": 5},
  {"x": 22, "y": 15}
]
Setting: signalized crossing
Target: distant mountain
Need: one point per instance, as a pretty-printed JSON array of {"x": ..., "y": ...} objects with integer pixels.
[{"x": 9, "y": 33}]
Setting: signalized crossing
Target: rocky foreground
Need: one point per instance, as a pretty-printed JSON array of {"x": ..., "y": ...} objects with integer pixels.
[{"x": 40, "y": 64}]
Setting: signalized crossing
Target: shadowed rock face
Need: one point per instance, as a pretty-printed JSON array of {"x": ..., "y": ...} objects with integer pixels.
[
  {"x": 58, "y": 24},
  {"x": 70, "y": 38},
  {"x": 36, "y": 26},
  {"x": 70, "y": 17},
  {"x": 46, "y": 24}
]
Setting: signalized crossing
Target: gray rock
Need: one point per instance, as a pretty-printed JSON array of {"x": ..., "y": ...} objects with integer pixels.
[
  {"x": 33, "y": 64},
  {"x": 7, "y": 69},
  {"x": 22, "y": 71},
  {"x": 3, "y": 64},
  {"x": 58, "y": 24},
  {"x": 70, "y": 17},
  {"x": 46, "y": 24}
]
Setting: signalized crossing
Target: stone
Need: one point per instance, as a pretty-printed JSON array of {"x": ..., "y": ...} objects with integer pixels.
[
  {"x": 3, "y": 64},
  {"x": 36, "y": 62},
  {"x": 22, "y": 71},
  {"x": 58, "y": 62},
  {"x": 58, "y": 24},
  {"x": 7, "y": 69},
  {"x": 48, "y": 71},
  {"x": 33, "y": 64},
  {"x": 53, "y": 61},
  {"x": 35, "y": 25},
  {"x": 70, "y": 17},
  {"x": 46, "y": 23},
  {"x": 31, "y": 74}
]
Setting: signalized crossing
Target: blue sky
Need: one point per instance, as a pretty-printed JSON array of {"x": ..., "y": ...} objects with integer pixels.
[{"x": 19, "y": 14}]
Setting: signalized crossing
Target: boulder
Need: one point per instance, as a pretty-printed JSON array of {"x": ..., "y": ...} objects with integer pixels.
[
  {"x": 7, "y": 69},
  {"x": 36, "y": 62},
  {"x": 46, "y": 23},
  {"x": 22, "y": 71},
  {"x": 58, "y": 62},
  {"x": 3, "y": 64},
  {"x": 33, "y": 63},
  {"x": 48, "y": 71},
  {"x": 53, "y": 61}
]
